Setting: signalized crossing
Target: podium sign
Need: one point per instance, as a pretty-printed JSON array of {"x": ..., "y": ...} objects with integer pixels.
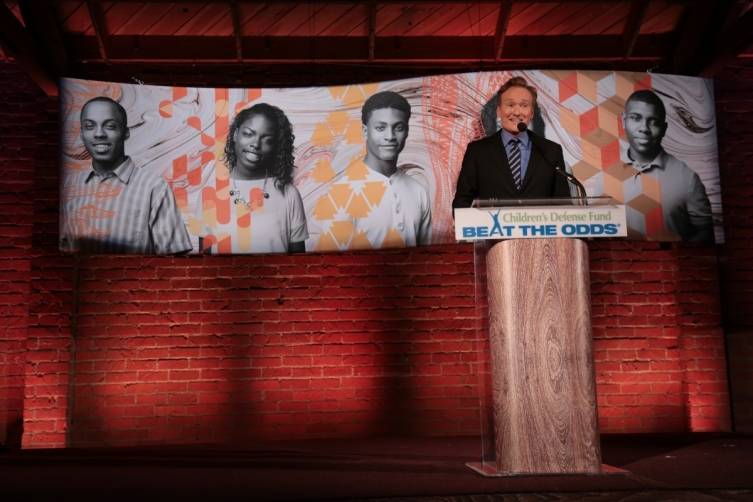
[{"x": 537, "y": 222}]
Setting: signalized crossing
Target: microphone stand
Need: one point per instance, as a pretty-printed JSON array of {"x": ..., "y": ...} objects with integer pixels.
[
  {"x": 572, "y": 179},
  {"x": 522, "y": 127}
]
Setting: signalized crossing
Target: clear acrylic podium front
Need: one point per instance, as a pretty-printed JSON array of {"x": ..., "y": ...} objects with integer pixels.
[{"x": 527, "y": 281}]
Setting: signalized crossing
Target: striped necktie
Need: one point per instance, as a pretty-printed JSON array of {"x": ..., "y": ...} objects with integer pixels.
[{"x": 515, "y": 161}]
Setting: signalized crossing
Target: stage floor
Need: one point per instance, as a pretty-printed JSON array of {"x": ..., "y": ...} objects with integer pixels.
[{"x": 659, "y": 467}]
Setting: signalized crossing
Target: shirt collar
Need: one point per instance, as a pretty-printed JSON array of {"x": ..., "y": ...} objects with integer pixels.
[
  {"x": 123, "y": 172},
  {"x": 657, "y": 162},
  {"x": 525, "y": 140},
  {"x": 398, "y": 172}
]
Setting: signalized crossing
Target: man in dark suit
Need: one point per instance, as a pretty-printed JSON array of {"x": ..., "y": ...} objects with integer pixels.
[{"x": 514, "y": 162}]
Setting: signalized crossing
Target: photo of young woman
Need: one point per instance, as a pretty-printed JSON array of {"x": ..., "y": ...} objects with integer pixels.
[{"x": 266, "y": 210}]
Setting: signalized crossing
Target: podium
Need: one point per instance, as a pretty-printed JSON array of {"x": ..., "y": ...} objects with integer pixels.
[{"x": 533, "y": 306}]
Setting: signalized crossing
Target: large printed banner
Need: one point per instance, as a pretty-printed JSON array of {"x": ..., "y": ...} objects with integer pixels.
[{"x": 151, "y": 169}]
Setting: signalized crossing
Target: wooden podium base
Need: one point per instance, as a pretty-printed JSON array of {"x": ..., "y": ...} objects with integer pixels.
[{"x": 543, "y": 389}]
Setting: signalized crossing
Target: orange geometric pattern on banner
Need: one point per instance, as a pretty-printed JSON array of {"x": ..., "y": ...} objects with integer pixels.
[
  {"x": 342, "y": 231},
  {"x": 323, "y": 171},
  {"x": 358, "y": 193},
  {"x": 338, "y": 126},
  {"x": 185, "y": 172},
  {"x": 352, "y": 95},
  {"x": 347, "y": 198},
  {"x": 598, "y": 130},
  {"x": 360, "y": 241},
  {"x": 166, "y": 109},
  {"x": 568, "y": 86},
  {"x": 221, "y": 119},
  {"x": 374, "y": 191},
  {"x": 180, "y": 167},
  {"x": 215, "y": 206},
  {"x": 179, "y": 171},
  {"x": 215, "y": 202},
  {"x": 324, "y": 208},
  {"x": 340, "y": 193},
  {"x": 358, "y": 207},
  {"x": 223, "y": 243},
  {"x": 393, "y": 240},
  {"x": 249, "y": 97},
  {"x": 181, "y": 197},
  {"x": 195, "y": 122}
]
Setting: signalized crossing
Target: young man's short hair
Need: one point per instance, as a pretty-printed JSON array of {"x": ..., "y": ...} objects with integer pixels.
[
  {"x": 118, "y": 107},
  {"x": 517, "y": 82},
  {"x": 650, "y": 98},
  {"x": 384, "y": 99}
]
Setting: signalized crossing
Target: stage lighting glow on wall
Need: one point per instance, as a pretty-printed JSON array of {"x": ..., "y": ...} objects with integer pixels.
[{"x": 170, "y": 170}]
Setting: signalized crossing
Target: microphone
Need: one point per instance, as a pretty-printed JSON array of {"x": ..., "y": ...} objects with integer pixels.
[{"x": 522, "y": 126}]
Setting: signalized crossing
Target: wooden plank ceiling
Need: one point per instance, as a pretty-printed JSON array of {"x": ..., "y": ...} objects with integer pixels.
[{"x": 50, "y": 38}]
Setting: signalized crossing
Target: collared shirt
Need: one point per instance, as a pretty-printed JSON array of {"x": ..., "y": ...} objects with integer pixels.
[
  {"x": 365, "y": 209},
  {"x": 525, "y": 149},
  {"x": 664, "y": 199},
  {"x": 126, "y": 210},
  {"x": 655, "y": 163}
]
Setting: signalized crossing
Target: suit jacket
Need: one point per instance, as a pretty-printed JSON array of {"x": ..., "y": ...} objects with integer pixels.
[{"x": 486, "y": 172}]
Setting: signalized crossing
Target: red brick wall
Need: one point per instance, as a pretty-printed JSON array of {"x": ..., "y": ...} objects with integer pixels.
[
  {"x": 129, "y": 350},
  {"x": 221, "y": 350},
  {"x": 734, "y": 96},
  {"x": 659, "y": 346},
  {"x": 225, "y": 349},
  {"x": 19, "y": 115},
  {"x": 51, "y": 305}
]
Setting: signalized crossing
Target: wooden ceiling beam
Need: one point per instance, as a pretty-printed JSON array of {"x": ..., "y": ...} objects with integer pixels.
[
  {"x": 287, "y": 73},
  {"x": 735, "y": 38},
  {"x": 372, "y": 29},
  {"x": 632, "y": 30},
  {"x": 100, "y": 27},
  {"x": 237, "y": 34},
  {"x": 503, "y": 20},
  {"x": 42, "y": 23},
  {"x": 18, "y": 42},
  {"x": 202, "y": 49},
  {"x": 699, "y": 27}
]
